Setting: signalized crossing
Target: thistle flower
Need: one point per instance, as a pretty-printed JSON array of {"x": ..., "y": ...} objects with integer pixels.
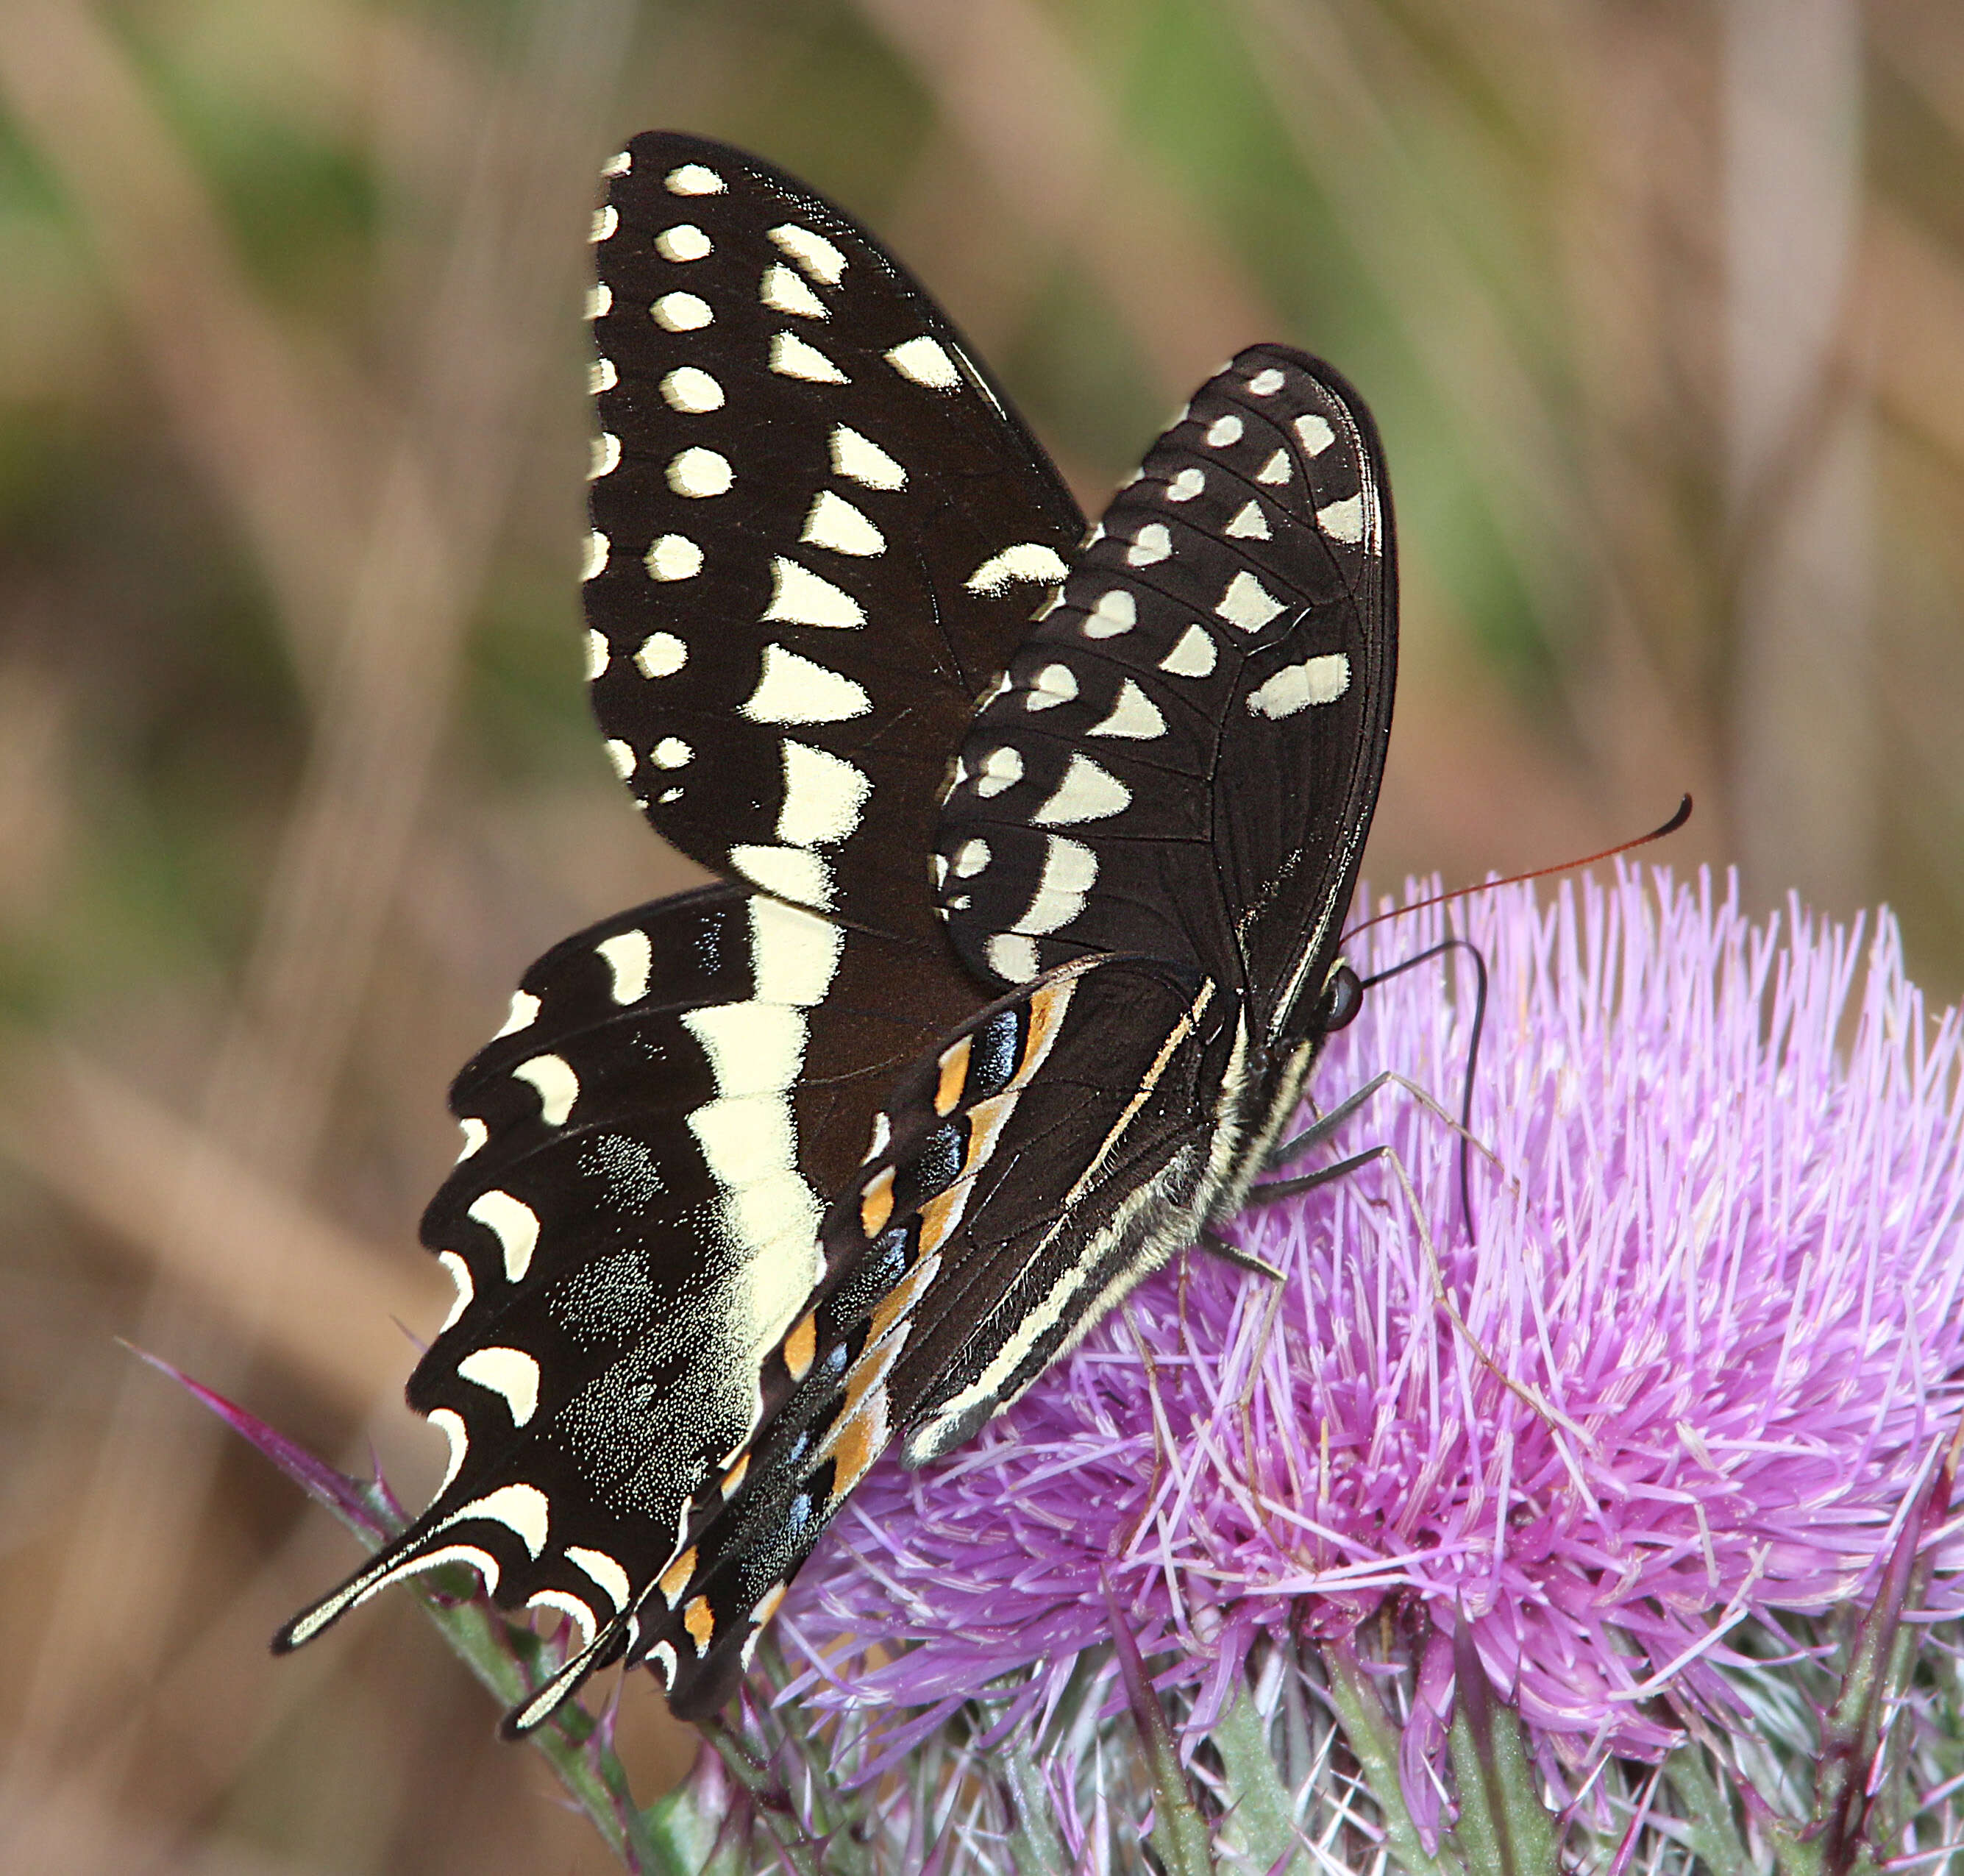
[{"x": 1687, "y": 1374}]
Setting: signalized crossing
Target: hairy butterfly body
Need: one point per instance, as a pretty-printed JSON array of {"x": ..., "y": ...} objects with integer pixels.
[{"x": 1037, "y": 846}]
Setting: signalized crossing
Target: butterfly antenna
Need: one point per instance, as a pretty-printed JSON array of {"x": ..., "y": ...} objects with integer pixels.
[
  {"x": 1540, "y": 872},
  {"x": 1454, "y": 943}
]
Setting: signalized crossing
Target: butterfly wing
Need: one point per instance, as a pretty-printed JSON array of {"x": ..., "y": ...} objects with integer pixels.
[
  {"x": 1025, "y": 1173},
  {"x": 1184, "y": 757},
  {"x": 632, "y": 1226},
  {"x": 819, "y": 532}
]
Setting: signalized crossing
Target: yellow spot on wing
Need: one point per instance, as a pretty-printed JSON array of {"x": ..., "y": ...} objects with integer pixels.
[
  {"x": 953, "y": 1074},
  {"x": 701, "y": 1623},
  {"x": 675, "y": 1579},
  {"x": 800, "y": 1345},
  {"x": 876, "y": 1203}
]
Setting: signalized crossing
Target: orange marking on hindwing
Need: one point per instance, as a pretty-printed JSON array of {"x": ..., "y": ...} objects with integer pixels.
[
  {"x": 800, "y": 1345},
  {"x": 941, "y": 1215},
  {"x": 901, "y": 1299},
  {"x": 1046, "y": 1009},
  {"x": 675, "y": 1579},
  {"x": 767, "y": 1604},
  {"x": 700, "y": 1620},
  {"x": 732, "y": 1479},
  {"x": 876, "y": 1203}
]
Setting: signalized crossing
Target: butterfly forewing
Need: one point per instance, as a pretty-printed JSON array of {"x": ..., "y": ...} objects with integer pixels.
[
  {"x": 818, "y": 532},
  {"x": 1183, "y": 758}
]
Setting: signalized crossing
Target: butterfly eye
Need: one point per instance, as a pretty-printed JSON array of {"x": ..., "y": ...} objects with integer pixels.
[{"x": 1342, "y": 997}]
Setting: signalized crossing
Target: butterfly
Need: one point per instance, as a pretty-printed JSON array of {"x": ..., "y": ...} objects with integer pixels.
[{"x": 1035, "y": 844}]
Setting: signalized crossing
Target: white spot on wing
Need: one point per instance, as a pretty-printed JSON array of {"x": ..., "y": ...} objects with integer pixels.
[
  {"x": 1344, "y": 521},
  {"x": 599, "y": 300},
  {"x": 673, "y": 557},
  {"x": 1186, "y": 485},
  {"x": 604, "y": 1570},
  {"x": 784, "y": 290},
  {"x": 558, "y": 1086},
  {"x": 1002, "y": 768},
  {"x": 605, "y": 458},
  {"x": 1055, "y": 684},
  {"x": 450, "y": 1425},
  {"x": 595, "y": 562},
  {"x": 1087, "y": 792},
  {"x": 600, "y": 376},
  {"x": 970, "y": 858},
  {"x": 460, "y": 1275},
  {"x": 508, "y": 1372},
  {"x": 1151, "y": 544},
  {"x": 1193, "y": 656},
  {"x": 1012, "y": 957},
  {"x": 671, "y": 753},
  {"x": 694, "y": 179},
  {"x": 684, "y": 241},
  {"x": 834, "y": 522},
  {"x": 681, "y": 313},
  {"x": 792, "y": 873},
  {"x": 520, "y": 1509},
  {"x": 792, "y": 689},
  {"x": 924, "y": 360},
  {"x": 791, "y": 357},
  {"x": 824, "y": 797},
  {"x": 475, "y": 1134},
  {"x": 1133, "y": 714},
  {"x": 662, "y": 655},
  {"x": 1266, "y": 383},
  {"x": 629, "y": 957},
  {"x": 514, "y": 1224},
  {"x": 1250, "y": 524},
  {"x": 1275, "y": 471},
  {"x": 1297, "y": 686},
  {"x": 799, "y": 597},
  {"x": 606, "y": 218},
  {"x": 812, "y": 252},
  {"x": 1028, "y": 560},
  {"x": 1069, "y": 871},
  {"x": 618, "y": 164},
  {"x": 1315, "y": 432},
  {"x": 1115, "y": 612},
  {"x": 688, "y": 389},
  {"x": 864, "y": 462},
  {"x": 567, "y": 1604},
  {"x": 1224, "y": 430},
  {"x": 794, "y": 956},
  {"x": 700, "y": 473},
  {"x": 1247, "y": 603},
  {"x": 597, "y": 655},
  {"x": 524, "y": 1007},
  {"x": 621, "y": 755}
]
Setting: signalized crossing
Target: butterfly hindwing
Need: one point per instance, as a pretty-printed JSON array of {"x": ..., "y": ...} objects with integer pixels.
[
  {"x": 998, "y": 1216},
  {"x": 1183, "y": 756},
  {"x": 819, "y": 532},
  {"x": 633, "y": 1224}
]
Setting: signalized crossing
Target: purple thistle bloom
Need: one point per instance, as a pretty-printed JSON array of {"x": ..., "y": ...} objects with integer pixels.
[{"x": 1706, "y": 1344}]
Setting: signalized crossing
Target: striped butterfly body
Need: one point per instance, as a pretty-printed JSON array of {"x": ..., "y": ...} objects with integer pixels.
[{"x": 1036, "y": 845}]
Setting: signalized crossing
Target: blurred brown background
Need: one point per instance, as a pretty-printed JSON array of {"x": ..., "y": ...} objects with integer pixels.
[{"x": 1661, "y": 306}]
